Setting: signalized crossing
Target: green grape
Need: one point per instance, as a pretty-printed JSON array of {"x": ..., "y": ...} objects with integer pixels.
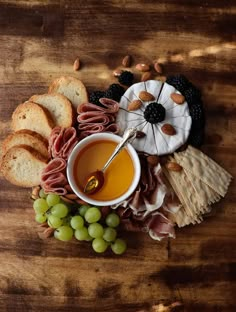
[
  {"x": 59, "y": 210},
  {"x": 77, "y": 222},
  {"x": 40, "y": 218},
  {"x": 83, "y": 209},
  {"x": 66, "y": 220},
  {"x": 92, "y": 215},
  {"x": 95, "y": 230},
  {"x": 54, "y": 222},
  {"x": 82, "y": 234},
  {"x": 99, "y": 245},
  {"x": 42, "y": 194},
  {"x": 109, "y": 234},
  {"x": 40, "y": 205},
  {"x": 52, "y": 199},
  {"x": 64, "y": 233},
  {"x": 112, "y": 220},
  {"x": 119, "y": 246}
]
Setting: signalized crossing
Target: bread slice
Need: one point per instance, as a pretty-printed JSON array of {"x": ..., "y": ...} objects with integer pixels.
[
  {"x": 26, "y": 137},
  {"x": 22, "y": 165},
  {"x": 72, "y": 88},
  {"x": 59, "y": 107},
  {"x": 33, "y": 117}
]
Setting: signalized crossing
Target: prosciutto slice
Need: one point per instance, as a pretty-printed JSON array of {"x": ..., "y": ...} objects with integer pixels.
[
  {"x": 62, "y": 141},
  {"x": 53, "y": 179},
  {"x": 94, "y": 119}
]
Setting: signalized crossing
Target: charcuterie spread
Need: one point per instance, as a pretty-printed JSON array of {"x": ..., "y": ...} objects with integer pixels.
[{"x": 178, "y": 184}]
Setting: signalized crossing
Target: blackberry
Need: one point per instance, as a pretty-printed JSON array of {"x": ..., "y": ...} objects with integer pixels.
[
  {"x": 196, "y": 139},
  {"x": 197, "y": 112},
  {"x": 126, "y": 78},
  {"x": 115, "y": 92},
  {"x": 192, "y": 95},
  {"x": 95, "y": 96},
  {"x": 180, "y": 82},
  {"x": 154, "y": 113}
]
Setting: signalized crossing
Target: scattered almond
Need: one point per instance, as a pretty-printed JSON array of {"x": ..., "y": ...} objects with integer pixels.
[
  {"x": 117, "y": 72},
  {"x": 71, "y": 196},
  {"x": 67, "y": 200},
  {"x": 76, "y": 65},
  {"x": 146, "y": 96},
  {"x": 153, "y": 160},
  {"x": 35, "y": 192},
  {"x": 126, "y": 62},
  {"x": 140, "y": 134},
  {"x": 146, "y": 76},
  {"x": 177, "y": 98},
  {"x": 158, "y": 68},
  {"x": 173, "y": 166},
  {"x": 168, "y": 129},
  {"x": 134, "y": 105},
  {"x": 142, "y": 67}
]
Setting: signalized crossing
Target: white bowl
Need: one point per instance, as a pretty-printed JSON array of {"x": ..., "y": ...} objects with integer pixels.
[{"x": 80, "y": 146}]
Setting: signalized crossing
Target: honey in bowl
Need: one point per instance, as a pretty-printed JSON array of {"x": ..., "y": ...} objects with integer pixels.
[{"x": 117, "y": 177}]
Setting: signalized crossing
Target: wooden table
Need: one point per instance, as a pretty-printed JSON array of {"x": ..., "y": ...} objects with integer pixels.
[{"x": 39, "y": 41}]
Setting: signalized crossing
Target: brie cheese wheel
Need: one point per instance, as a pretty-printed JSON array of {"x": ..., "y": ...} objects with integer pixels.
[{"x": 155, "y": 141}]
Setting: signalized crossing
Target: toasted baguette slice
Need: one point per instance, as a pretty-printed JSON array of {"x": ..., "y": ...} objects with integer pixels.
[
  {"x": 33, "y": 117},
  {"x": 59, "y": 107},
  {"x": 22, "y": 165},
  {"x": 70, "y": 87},
  {"x": 26, "y": 137}
]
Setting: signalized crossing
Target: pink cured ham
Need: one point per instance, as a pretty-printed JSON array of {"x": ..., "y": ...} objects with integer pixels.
[
  {"x": 53, "y": 179},
  {"x": 149, "y": 207},
  {"x": 94, "y": 119},
  {"x": 62, "y": 141}
]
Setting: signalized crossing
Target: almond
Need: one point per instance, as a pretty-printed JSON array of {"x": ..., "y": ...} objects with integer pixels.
[
  {"x": 76, "y": 65},
  {"x": 146, "y": 96},
  {"x": 134, "y": 105},
  {"x": 35, "y": 192},
  {"x": 146, "y": 76},
  {"x": 67, "y": 200},
  {"x": 153, "y": 160},
  {"x": 71, "y": 196},
  {"x": 117, "y": 72},
  {"x": 168, "y": 129},
  {"x": 177, "y": 98},
  {"x": 142, "y": 67},
  {"x": 140, "y": 134},
  {"x": 157, "y": 68},
  {"x": 173, "y": 166},
  {"x": 126, "y": 62}
]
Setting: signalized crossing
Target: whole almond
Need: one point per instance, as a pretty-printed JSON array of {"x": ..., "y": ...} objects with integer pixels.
[
  {"x": 134, "y": 105},
  {"x": 71, "y": 196},
  {"x": 126, "y": 62},
  {"x": 76, "y": 65},
  {"x": 157, "y": 68},
  {"x": 173, "y": 166},
  {"x": 140, "y": 134},
  {"x": 117, "y": 72},
  {"x": 177, "y": 98},
  {"x": 35, "y": 192},
  {"x": 146, "y": 96},
  {"x": 146, "y": 76},
  {"x": 168, "y": 129},
  {"x": 67, "y": 200},
  {"x": 142, "y": 67},
  {"x": 153, "y": 160}
]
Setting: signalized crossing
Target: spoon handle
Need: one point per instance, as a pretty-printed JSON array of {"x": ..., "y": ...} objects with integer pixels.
[{"x": 129, "y": 134}]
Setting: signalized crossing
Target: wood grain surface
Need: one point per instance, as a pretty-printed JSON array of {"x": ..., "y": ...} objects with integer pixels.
[{"x": 39, "y": 41}]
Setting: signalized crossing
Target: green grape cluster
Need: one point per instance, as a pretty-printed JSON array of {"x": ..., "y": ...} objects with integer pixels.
[{"x": 82, "y": 222}]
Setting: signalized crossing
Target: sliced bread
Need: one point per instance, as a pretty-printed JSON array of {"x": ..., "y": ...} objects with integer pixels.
[
  {"x": 72, "y": 88},
  {"x": 59, "y": 107},
  {"x": 33, "y": 117},
  {"x": 26, "y": 137},
  {"x": 22, "y": 165}
]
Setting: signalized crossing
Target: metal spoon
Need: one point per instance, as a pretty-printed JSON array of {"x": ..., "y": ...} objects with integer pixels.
[{"x": 95, "y": 180}]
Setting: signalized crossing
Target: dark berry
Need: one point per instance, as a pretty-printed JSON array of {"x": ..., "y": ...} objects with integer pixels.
[
  {"x": 180, "y": 82},
  {"x": 95, "y": 96},
  {"x": 126, "y": 78},
  {"x": 196, "y": 138},
  {"x": 197, "y": 112},
  {"x": 115, "y": 92},
  {"x": 192, "y": 95},
  {"x": 154, "y": 113}
]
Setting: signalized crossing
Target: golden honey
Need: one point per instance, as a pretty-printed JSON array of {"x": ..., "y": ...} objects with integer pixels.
[{"x": 118, "y": 176}]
